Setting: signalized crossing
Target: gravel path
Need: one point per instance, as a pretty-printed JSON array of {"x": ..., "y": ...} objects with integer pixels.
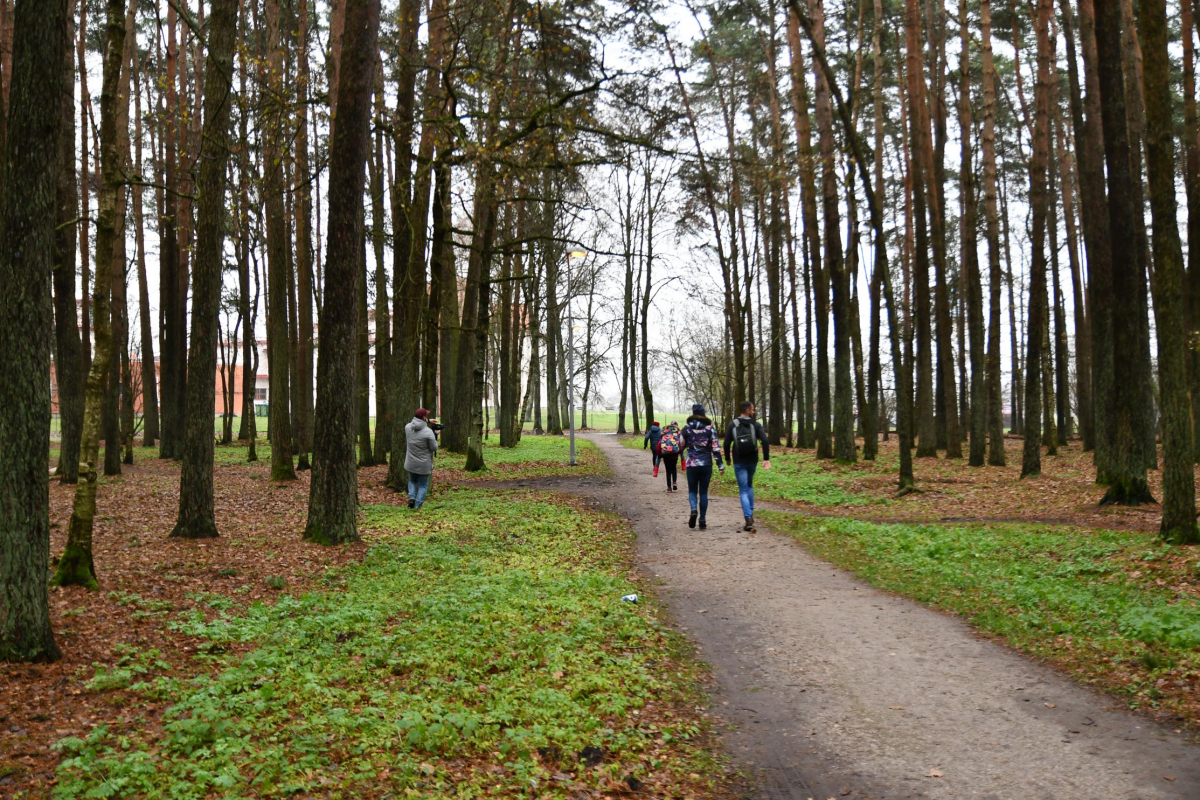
[{"x": 833, "y": 689}]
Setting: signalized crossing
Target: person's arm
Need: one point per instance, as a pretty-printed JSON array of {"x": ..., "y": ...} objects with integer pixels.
[
  {"x": 766, "y": 443},
  {"x": 646, "y": 439},
  {"x": 433, "y": 443},
  {"x": 728, "y": 439},
  {"x": 716, "y": 448}
]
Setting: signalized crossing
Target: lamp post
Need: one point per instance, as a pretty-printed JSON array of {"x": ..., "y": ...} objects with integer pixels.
[{"x": 571, "y": 352}]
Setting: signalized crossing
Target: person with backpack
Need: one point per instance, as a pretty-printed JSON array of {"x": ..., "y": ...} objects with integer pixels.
[
  {"x": 701, "y": 447},
  {"x": 669, "y": 447},
  {"x": 653, "y": 435},
  {"x": 742, "y": 438}
]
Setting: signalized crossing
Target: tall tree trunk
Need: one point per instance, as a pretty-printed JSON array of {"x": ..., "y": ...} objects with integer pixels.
[
  {"x": 278, "y": 347},
  {"x": 874, "y": 369},
  {"x": 1031, "y": 460},
  {"x": 1191, "y": 181},
  {"x": 172, "y": 284},
  {"x": 648, "y": 261},
  {"x": 121, "y": 386},
  {"x": 75, "y": 567},
  {"x": 1127, "y": 479},
  {"x": 918, "y": 119},
  {"x": 440, "y": 250},
  {"x": 1179, "y": 485},
  {"x": 333, "y": 494},
  {"x": 303, "y": 212},
  {"x": 27, "y": 226},
  {"x": 808, "y": 204},
  {"x": 149, "y": 376},
  {"x": 69, "y": 369},
  {"x": 196, "y": 518},
  {"x": 1086, "y": 152},
  {"x": 362, "y": 362},
  {"x": 836, "y": 275},
  {"x": 970, "y": 250},
  {"x": 410, "y": 212},
  {"x": 248, "y": 311},
  {"x": 383, "y": 323},
  {"x": 85, "y": 188}
]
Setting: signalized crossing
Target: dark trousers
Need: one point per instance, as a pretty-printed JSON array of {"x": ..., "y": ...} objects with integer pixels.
[
  {"x": 670, "y": 460},
  {"x": 698, "y": 479}
]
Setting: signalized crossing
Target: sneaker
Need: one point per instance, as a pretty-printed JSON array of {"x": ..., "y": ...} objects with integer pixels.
[
  {"x": 656, "y": 471},
  {"x": 703, "y": 526},
  {"x": 692, "y": 520},
  {"x": 412, "y": 503},
  {"x": 675, "y": 487},
  {"x": 749, "y": 526}
]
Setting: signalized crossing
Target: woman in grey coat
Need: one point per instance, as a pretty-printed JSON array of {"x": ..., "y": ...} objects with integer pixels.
[{"x": 418, "y": 459}]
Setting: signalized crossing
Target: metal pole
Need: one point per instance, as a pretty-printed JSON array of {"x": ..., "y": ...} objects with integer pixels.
[{"x": 570, "y": 361}]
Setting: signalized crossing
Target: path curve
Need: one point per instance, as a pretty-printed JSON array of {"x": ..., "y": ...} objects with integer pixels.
[{"x": 834, "y": 689}]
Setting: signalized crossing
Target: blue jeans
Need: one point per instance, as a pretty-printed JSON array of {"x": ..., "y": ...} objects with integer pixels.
[
  {"x": 418, "y": 488},
  {"x": 745, "y": 478},
  {"x": 698, "y": 479}
]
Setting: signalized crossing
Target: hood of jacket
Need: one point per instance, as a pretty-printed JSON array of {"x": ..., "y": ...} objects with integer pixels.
[
  {"x": 418, "y": 424},
  {"x": 699, "y": 420}
]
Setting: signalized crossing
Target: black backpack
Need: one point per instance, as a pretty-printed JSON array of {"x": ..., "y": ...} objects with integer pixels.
[{"x": 745, "y": 440}]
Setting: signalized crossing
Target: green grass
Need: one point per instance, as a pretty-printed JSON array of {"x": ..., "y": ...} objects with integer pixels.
[
  {"x": 792, "y": 476},
  {"x": 1088, "y": 599},
  {"x": 478, "y": 648},
  {"x": 533, "y": 457},
  {"x": 799, "y": 476}
]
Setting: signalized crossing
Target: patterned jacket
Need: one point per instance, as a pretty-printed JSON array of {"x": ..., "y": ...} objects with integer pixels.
[{"x": 701, "y": 443}]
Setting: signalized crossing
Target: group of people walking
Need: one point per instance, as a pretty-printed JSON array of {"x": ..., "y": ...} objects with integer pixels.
[{"x": 700, "y": 447}]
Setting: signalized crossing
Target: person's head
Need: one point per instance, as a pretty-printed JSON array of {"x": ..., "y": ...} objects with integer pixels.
[
  {"x": 746, "y": 409},
  {"x": 422, "y": 413},
  {"x": 655, "y": 424},
  {"x": 698, "y": 410},
  {"x": 673, "y": 424}
]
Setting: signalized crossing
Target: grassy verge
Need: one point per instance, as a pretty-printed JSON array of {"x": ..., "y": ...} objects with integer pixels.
[
  {"x": 533, "y": 457},
  {"x": 481, "y": 648},
  {"x": 1118, "y": 610}
]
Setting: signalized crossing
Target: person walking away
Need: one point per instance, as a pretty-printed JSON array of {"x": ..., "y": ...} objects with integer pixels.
[
  {"x": 701, "y": 447},
  {"x": 742, "y": 438},
  {"x": 669, "y": 447},
  {"x": 652, "y": 438},
  {"x": 422, "y": 445}
]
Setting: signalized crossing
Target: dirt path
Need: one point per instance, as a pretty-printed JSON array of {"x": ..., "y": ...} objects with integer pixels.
[{"x": 833, "y": 689}]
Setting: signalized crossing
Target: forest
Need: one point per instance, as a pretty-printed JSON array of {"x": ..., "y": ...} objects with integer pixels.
[{"x": 907, "y": 231}]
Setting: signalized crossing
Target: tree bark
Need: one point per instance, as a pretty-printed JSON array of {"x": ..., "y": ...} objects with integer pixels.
[
  {"x": 279, "y": 425},
  {"x": 970, "y": 251},
  {"x": 1191, "y": 181},
  {"x": 410, "y": 212},
  {"x": 1179, "y": 485},
  {"x": 27, "y": 230},
  {"x": 75, "y": 567},
  {"x": 196, "y": 515},
  {"x": 333, "y": 494},
  {"x": 69, "y": 369},
  {"x": 1127, "y": 478},
  {"x": 1031, "y": 460},
  {"x": 149, "y": 376},
  {"x": 303, "y": 212},
  {"x": 172, "y": 283}
]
